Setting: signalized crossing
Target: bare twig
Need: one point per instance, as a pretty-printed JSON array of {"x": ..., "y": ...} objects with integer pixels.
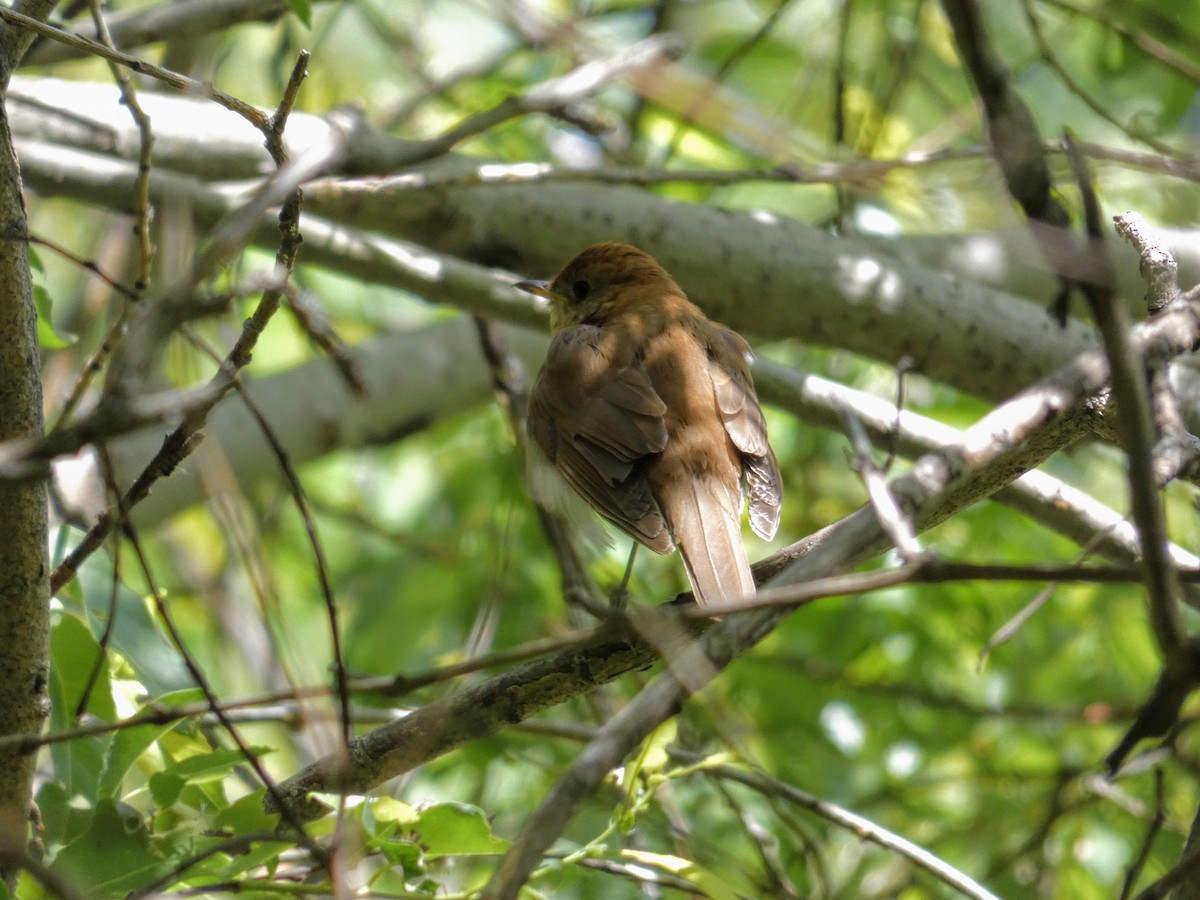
[
  {"x": 50, "y": 878},
  {"x": 383, "y": 685},
  {"x": 186, "y": 436},
  {"x": 579, "y": 588},
  {"x": 891, "y": 517},
  {"x": 202, "y": 682},
  {"x": 1006, "y": 631},
  {"x": 311, "y": 318},
  {"x": 1142, "y": 39},
  {"x": 865, "y": 829},
  {"x": 1016, "y": 144},
  {"x": 173, "y": 79},
  {"x": 556, "y": 93},
  {"x": 727, "y": 65},
  {"x": 1156, "y": 824},
  {"x": 1183, "y": 873},
  {"x": 1135, "y": 427},
  {"x": 141, "y": 188},
  {"x": 101, "y": 662},
  {"x": 1075, "y": 87}
]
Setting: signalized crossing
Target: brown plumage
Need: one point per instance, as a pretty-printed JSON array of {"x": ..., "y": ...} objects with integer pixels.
[{"x": 647, "y": 409}]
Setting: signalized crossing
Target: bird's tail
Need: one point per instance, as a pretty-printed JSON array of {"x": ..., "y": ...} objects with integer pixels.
[{"x": 705, "y": 519}]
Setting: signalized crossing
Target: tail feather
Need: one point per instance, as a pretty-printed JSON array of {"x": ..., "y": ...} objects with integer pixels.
[{"x": 705, "y": 519}]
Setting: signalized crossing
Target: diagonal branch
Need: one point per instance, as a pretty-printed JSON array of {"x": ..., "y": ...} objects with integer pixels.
[{"x": 1016, "y": 436}]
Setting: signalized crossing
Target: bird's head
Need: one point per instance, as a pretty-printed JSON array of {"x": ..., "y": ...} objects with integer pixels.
[{"x": 594, "y": 279}]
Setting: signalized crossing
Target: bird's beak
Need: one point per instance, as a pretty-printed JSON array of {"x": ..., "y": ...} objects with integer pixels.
[{"x": 540, "y": 288}]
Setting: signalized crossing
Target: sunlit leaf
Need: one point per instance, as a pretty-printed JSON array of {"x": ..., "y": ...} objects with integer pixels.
[
  {"x": 455, "y": 829},
  {"x": 129, "y": 743}
]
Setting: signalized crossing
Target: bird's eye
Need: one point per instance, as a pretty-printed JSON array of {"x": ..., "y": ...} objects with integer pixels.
[{"x": 581, "y": 289}]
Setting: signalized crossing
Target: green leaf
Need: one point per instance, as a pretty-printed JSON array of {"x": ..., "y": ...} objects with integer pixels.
[
  {"x": 48, "y": 337},
  {"x": 28, "y": 888},
  {"x": 264, "y": 854},
  {"x": 113, "y": 856},
  {"x": 456, "y": 829},
  {"x": 653, "y": 758},
  {"x": 247, "y": 816},
  {"x": 165, "y": 789},
  {"x": 382, "y": 813},
  {"x": 131, "y": 743},
  {"x": 73, "y": 654},
  {"x": 383, "y": 818},
  {"x": 303, "y": 11},
  {"x": 645, "y": 771},
  {"x": 135, "y": 635},
  {"x": 402, "y": 854},
  {"x": 197, "y": 779},
  {"x": 61, "y": 821},
  {"x": 211, "y": 766}
]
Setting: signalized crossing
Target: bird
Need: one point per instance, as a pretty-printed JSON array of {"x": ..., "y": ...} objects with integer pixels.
[{"x": 647, "y": 409}]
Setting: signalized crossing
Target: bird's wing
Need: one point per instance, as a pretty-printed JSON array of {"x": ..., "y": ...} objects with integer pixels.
[
  {"x": 595, "y": 414},
  {"x": 746, "y": 427}
]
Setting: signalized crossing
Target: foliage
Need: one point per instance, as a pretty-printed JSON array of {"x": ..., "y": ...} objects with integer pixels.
[{"x": 879, "y": 703}]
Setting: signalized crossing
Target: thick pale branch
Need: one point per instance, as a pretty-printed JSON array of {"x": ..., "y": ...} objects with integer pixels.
[{"x": 753, "y": 268}]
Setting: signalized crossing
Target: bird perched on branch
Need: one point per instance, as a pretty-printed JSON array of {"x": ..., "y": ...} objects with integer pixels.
[{"x": 647, "y": 409}]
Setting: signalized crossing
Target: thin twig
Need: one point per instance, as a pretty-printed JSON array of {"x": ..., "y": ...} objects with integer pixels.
[
  {"x": 101, "y": 661},
  {"x": 234, "y": 846},
  {"x": 186, "y": 436},
  {"x": 727, "y": 65},
  {"x": 141, "y": 186},
  {"x": 312, "y": 321},
  {"x": 554, "y": 94},
  {"x": 1046, "y": 49},
  {"x": 1006, "y": 631},
  {"x": 173, "y": 79},
  {"x": 864, "y": 828},
  {"x": 1138, "y": 37},
  {"x": 891, "y": 516},
  {"x": 579, "y": 588},
  {"x": 1183, "y": 872},
  {"x": 1152, "y": 831},
  {"x": 299, "y": 498},
  {"x": 1016, "y": 144},
  {"x": 50, "y": 878},
  {"x": 202, "y": 682},
  {"x": 1135, "y": 427}
]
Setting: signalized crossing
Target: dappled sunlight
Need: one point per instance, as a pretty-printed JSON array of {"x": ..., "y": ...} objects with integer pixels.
[
  {"x": 866, "y": 278},
  {"x": 341, "y": 569},
  {"x": 424, "y": 264}
]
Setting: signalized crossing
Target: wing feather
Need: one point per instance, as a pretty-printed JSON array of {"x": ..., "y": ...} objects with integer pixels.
[
  {"x": 744, "y": 423},
  {"x": 599, "y": 422}
]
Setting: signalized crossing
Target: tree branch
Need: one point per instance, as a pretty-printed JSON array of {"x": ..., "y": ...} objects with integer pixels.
[{"x": 24, "y": 558}]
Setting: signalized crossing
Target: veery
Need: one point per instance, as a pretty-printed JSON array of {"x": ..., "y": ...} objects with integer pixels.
[{"x": 647, "y": 409}]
